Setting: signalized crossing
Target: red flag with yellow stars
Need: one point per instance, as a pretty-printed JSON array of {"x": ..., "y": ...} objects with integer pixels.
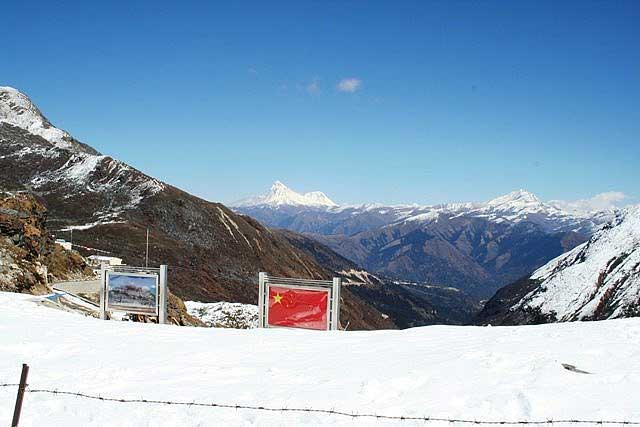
[{"x": 298, "y": 308}]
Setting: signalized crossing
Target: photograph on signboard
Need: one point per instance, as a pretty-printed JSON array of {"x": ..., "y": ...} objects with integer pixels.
[
  {"x": 132, "y": 293},
  {"x": 298, "y": 308}
]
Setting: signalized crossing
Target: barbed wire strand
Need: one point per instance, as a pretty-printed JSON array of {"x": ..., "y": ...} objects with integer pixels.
[{"x": 322, "y": 411}]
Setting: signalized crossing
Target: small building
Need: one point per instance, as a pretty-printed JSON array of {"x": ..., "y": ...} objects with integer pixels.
[
  {"x": 64, "y": 244},
  {"x": 97, "y": 261}
]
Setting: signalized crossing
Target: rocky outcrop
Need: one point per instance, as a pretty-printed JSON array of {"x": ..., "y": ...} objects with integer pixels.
[{"x": 29, "y": 258}]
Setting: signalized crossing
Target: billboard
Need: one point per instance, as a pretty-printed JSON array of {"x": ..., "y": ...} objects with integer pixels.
[
  {"x": 298, "y": 303},
  {"x": 135, "y": 293}
]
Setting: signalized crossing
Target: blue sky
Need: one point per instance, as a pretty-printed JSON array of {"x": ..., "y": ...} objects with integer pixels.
[{"x": 439, "y": 101}]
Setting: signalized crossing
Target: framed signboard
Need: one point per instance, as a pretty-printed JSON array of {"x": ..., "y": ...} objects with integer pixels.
[
  {"x": 134, "y": 290},
  {"x": 299, "y": 303}
]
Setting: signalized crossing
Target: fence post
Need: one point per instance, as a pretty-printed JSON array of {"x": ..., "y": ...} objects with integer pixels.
[
  {"x": 21, "y": 387},
  {"x": 162, "y": 315},
  {"x": 261, "y": 290}
]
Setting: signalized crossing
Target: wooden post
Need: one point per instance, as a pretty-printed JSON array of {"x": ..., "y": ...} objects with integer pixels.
[{"x": 21, "y": 388}]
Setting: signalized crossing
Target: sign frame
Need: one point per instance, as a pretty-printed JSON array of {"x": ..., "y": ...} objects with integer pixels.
[
  {"x": 331, "y": 287},
  {"x": 160, "y": 276}
]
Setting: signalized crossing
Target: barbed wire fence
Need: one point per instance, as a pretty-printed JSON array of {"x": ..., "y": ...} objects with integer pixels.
[{"x": 331, "y": 412}]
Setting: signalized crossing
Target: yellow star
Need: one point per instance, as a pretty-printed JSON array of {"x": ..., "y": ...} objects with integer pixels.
[{"x": 277, "y": 298}]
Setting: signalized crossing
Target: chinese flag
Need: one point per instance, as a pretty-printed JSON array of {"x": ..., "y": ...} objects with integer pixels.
[{"x": 298, "y": 308}]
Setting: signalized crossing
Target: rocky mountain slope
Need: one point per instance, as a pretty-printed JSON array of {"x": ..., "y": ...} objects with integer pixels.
[
  {"x": 599, "y": 279},
  {"x": 477, "y": 247},
  {"x": 214, "y": 254},
  {"x": 29, "y": 258}
]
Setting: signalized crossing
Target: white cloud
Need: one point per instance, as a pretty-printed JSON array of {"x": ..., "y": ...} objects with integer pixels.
[
  {"x": 313, "y": 87},
  {"x": 599, "y": 202},
  {"x": 349, "y": 85}
]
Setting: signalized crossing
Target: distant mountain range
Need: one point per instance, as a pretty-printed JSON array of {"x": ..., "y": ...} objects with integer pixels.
[
  {"x": 599, "y": 279},
  {"x": 476, "y": 247}
]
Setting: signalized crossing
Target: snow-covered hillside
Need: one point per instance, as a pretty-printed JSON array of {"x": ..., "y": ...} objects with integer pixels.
[
  {"x": 477, "y": 373},
  {"x": 17, "y": 109},
  {"x": 598, "y": 279},
  {"x": 48, "y": 160}
]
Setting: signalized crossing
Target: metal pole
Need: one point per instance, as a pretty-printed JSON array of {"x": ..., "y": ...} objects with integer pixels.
[
  {"x": 162, "y": 310},
  {"x": 146, "y": 257},
  {"x": 103, "y": 292},
  {"x": 71, "y": 238},
  {"x": 21, "y": 388},
  {"x": 335, "y": 303},
  {"x": 261, "y": 290}
]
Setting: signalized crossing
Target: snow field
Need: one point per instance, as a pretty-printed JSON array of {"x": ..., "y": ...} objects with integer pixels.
[{"x": 483, "y": 373}]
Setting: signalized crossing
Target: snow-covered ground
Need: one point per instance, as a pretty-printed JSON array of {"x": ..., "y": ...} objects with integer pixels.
[{"x": 483, "y": 373}]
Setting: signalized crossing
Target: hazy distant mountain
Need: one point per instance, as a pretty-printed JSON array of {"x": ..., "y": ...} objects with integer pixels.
[
  {"x": 599, "y": 279},
  {"x": 214, "y": 253},
  {"x": 477, "y": 247}
]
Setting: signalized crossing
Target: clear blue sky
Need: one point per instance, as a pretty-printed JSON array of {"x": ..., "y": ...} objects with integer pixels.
[{"x": 458, "y": 100}]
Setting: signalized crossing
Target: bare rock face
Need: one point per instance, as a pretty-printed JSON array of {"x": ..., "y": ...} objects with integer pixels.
[{"x": 29, "y": 259}]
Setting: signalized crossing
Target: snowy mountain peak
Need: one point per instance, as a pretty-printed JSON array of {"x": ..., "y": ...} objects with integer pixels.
[
  {"x": 519, "y": 198},
  {"x": 281, "y": 195},
  {"x": 16, "y": 109}
]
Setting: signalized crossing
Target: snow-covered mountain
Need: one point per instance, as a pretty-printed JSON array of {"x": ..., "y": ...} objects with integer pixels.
[
  {"x": 280, "y": 205},
  {"x": 37, "y": 156},
  {"x": 599, "y": 279},
  {"x": 16, "y": 109},
  {"x": 281, "y": 195}
]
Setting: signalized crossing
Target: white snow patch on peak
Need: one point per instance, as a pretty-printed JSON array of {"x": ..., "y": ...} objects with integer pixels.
[
  {"x": 17, "y": 110},
  {"x": 515, "y": 199},
  {"x": 281, "y": 195},
  {"x": 427, "y": 216}
]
